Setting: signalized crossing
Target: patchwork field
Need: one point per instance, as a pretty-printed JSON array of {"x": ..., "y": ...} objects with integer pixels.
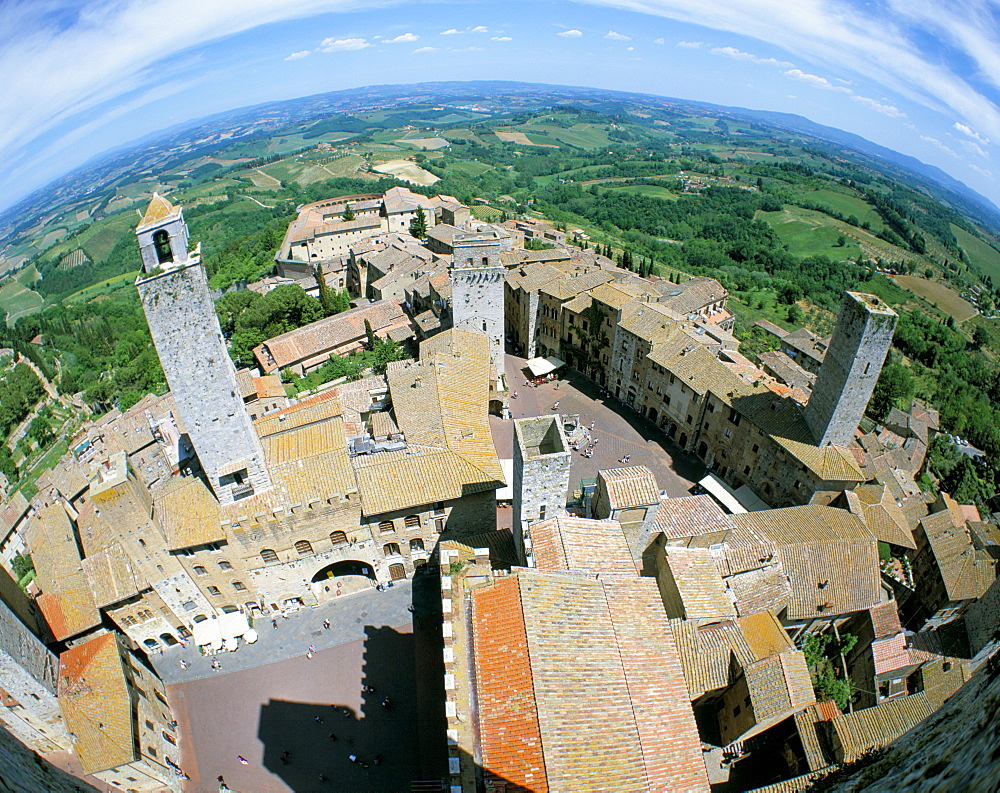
[
  {"x": 648, "y": 190},
  {"x": 946, "y": 298},
  {"x": 407, "y": 171},
  {"x": 519, "y": 137},
  {"x": 16, "y": 299},
  {"x": 808, "y": 233},
  {"x": 845, "y": 204},
  {"x": 981, "y": 254},
  {"x": 425, "y": 143}
]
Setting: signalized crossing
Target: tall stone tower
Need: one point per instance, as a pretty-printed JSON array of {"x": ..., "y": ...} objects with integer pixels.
[
  {"x": 851, "y": 368},
  {"x": 541, "y": 476},
  {"x": 477, "y": 289},
  {"x": 182, "y": 320}
]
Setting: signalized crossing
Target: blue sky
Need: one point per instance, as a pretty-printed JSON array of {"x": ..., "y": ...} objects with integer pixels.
[{"x": 919, "y": 76}]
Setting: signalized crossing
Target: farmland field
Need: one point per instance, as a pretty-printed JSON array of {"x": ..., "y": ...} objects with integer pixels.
[
  {"x": 981, "y": 254},
  {"x": 808, "y": 233},
  {"x": 16, "y": 300},
  {"x": 407, "y": 171},
  {"x": 946, "y": 298},
  {"x": 845, "y": 204},
  {"x": 648, "y": 190}
]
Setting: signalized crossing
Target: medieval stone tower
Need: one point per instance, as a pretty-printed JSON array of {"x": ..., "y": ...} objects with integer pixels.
[
  {"x": 181, "y": 315},
  {"x": 477, "y": 289},
  {"x": 851, "y": 368},
  {"x": 541, "y": 476}
]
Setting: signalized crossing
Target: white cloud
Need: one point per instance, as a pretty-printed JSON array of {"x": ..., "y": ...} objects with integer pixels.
[
  {"x": 297, "y": 55},
  {"x": 880, "y": 107},
  {"x": 570, "y": 34},
  {"x": 614, "y": 36},
  {"x": 974, "y": 147},
  {"x": 500, "y": 38},
  {"x": 343, "y": 45},
  {"x": 403, "y": 38},
  {"x": 965, "y": 129},
  {"x": 935, "y": 142},
  {"x": 816, "y": 81},
  {"x": 984, "y": 171},
  {"x": 629, "y": 49},
  {"x": 479, "y": 29},
  {"x": 691, "y": 45},
  {"x": 420, "y": 50},
  {"x": 449, "y": 32},
  {"x": 740, "y": 55},
  {"x": 467, "y": 49},
  {"x": 659, "y": 41}
]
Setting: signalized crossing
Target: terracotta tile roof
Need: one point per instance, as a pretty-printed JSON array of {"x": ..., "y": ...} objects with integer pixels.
[
  {"x": 967, "y": 572},
  {"x": 581, "y": 545},
  {"x": 699, "y": 583},
  {"x": 885, "y": 619},
  {"x": 95, "y": 702},
  {"x": 612, "y": 295},
  {"x": 756, "y": 590},
  {"x": 66, "y": 478},
  {"x": 309, "y": 463},
  {"x": 693, "y": 294},
  {"x": 532, "y": 277},
  {"x": 942, "y": 677},
  {"x": 778, "y": 685},
  {"x": 565, "y": 288},
  {"x": 159, "y": 210},
  {"x": 510, "y": 736},
  {"x": 630, "y": 487},
  {"x": 883, "y": 516},
  {"x": 189, "y": 513},
  {"x": 890, "y": 654},
  {"x": 706, "y": 653},
  {"x": 244, "y": 381},
  {"x": 873, "y": 727},
  {"x": 66, "y": 599},
  {"x": 806, "y": 723},
  {"x": 12, "y": 512},
  {"x": 503, "y": 554},
  {"x": 690, "y": 516},
  {"x": 269, "y": 386},
  {"x": 309, "y": 411},
  {"x": 110, "y": 575},
  {"x": 828, "y": 554},
  {"x": 328, "y": 334},
  {"x": 764, "y": 634}
]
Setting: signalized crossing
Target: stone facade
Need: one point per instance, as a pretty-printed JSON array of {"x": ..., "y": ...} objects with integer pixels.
[
  {"x": 850, "y": 369},
  {"x": 541, "y": 476},
  {"x": 477, "y": 290},
  {"x": 185, "y": 329}
]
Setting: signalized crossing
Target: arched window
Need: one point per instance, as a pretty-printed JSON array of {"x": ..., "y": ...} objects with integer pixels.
[
  {"x": 390, "y": 549},
  {"x": 268, "y": 556},
  {"x": 199, "y": 618},
  {"x": 224, "y": 565},
  {"x": 214, "y": 590},
  {"x": 239, "y": 586},
  {"x": 338, "y": 538},
  {"x": 199, "y": 570},
  {"x": 161, "y": 241},
  {"x": 229, "y": 609},
  {"x": 412, "y": 521},
  {"x": 416, "y": 545},
  {"x": 304, "y": 548},
  {"x": 386, "y": 526}
]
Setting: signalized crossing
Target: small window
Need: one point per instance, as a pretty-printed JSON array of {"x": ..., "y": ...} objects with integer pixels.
[
  {"x": 169, "y": 738},
  {"x": 390, "y": 549},
  {"x": 268, "y": 556},
  {"x": 737, "y": 710},
  {"x": 386, "y": 526},
  {"x": 149, "y": 724},
  {"x": 416, "y": 545},
  {"x": 214, "y": 590},
  {"x": 239, "y": 586},
  {"x": 199, "y": 570},
  {"x": 188, "y": 605},
  {"x": 338, "y": 538},
  {"x": 224, "y": 565},
  {"x": 304, "y": 548},
  {"x": 755, "y": 448},
  {"x": 161, "y": 242},
  {"x": 185, "y": 552},
  {"x": 412, "y": 521}
]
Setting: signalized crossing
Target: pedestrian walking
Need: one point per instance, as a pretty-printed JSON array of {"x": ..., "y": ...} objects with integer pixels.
[
  {"x": 183, "y": 663},
  {"x": 312, "y": 648},
  {"x": 556, "y": 405},
  {"x": 592, "y": 425},
  {"x": 215, "y": 664},
  {"x": 318, "y": 719},
  {"x": 242, "y": 759},
  {"x": 309, "y": 655},
  {"x": 353, "y": 758},
  {"x": 326, "y": 625},
  {"x": 274, "y": 624},
  {"x": 333, "y": 736}
]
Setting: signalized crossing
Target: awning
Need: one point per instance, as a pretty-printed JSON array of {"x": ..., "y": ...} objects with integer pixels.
[
  {"x": 751, "y": 500},
  {"x": 233, "y": 625},
  {"x": 542, "y": 366},
  {"x": 207, "y": 632},
  {"x": 722, "y": 493}
]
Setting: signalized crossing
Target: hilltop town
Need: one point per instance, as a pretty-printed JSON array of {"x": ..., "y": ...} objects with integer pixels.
[{"x": 807, "y": 603}]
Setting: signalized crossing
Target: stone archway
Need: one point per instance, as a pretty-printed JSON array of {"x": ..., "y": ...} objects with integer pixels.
[{"x": 342, "y": 578}]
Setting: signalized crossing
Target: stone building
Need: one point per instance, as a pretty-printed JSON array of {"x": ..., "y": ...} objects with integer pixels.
[
  {"x": 477, "y": 291},
  {"x": 175, "y": 297},
  {"x": 541, "y": 476},
  {"x": 116, "y": 710},
  {"x": 631, "y": 497},
  {"x": 850, "y": 368}
]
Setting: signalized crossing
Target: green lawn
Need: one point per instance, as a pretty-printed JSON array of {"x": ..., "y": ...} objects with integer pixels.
[
  {"x": 984, "y": 256},
  {"x": 648, "y": 190},
  {"x": 808, "y": 233},
  {"x": 586, "y": 136},
  {"x": 468, "y": 167},
  {"x": 845, "y": 204},
  {"x": 16, "y": 299},
  {"x": 109, "y": 285}
]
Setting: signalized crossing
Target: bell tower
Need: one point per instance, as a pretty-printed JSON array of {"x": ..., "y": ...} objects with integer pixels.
[{"x": 181, "y": 314}]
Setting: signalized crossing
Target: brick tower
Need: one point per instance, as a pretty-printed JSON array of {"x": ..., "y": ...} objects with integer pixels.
[
  {"x": 477, "y": 288},
  {"x": 850, "y": 369},
  {"x": 182, "y": 321},
  {"x": 541, "y": 476}
]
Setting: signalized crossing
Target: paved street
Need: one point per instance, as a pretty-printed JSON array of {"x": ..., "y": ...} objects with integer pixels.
[
  {"x": 315, "y": 710},
  {"x": 619, "y": 430}
]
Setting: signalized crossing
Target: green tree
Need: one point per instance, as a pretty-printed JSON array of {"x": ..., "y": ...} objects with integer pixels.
[
  {"x": 325, "y": 299},
  {"x": 418, "y": 226},
  {"x": 893, "y": 389},
  {"x": 22, "y": 565},
  {"x": 348, "y": 213},
  {"x": 386, "y": 351},
  {"x": 370, "y": 333}
]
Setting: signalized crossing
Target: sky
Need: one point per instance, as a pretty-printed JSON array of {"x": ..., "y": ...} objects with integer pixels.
[{"x": 82, "y": 76}]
